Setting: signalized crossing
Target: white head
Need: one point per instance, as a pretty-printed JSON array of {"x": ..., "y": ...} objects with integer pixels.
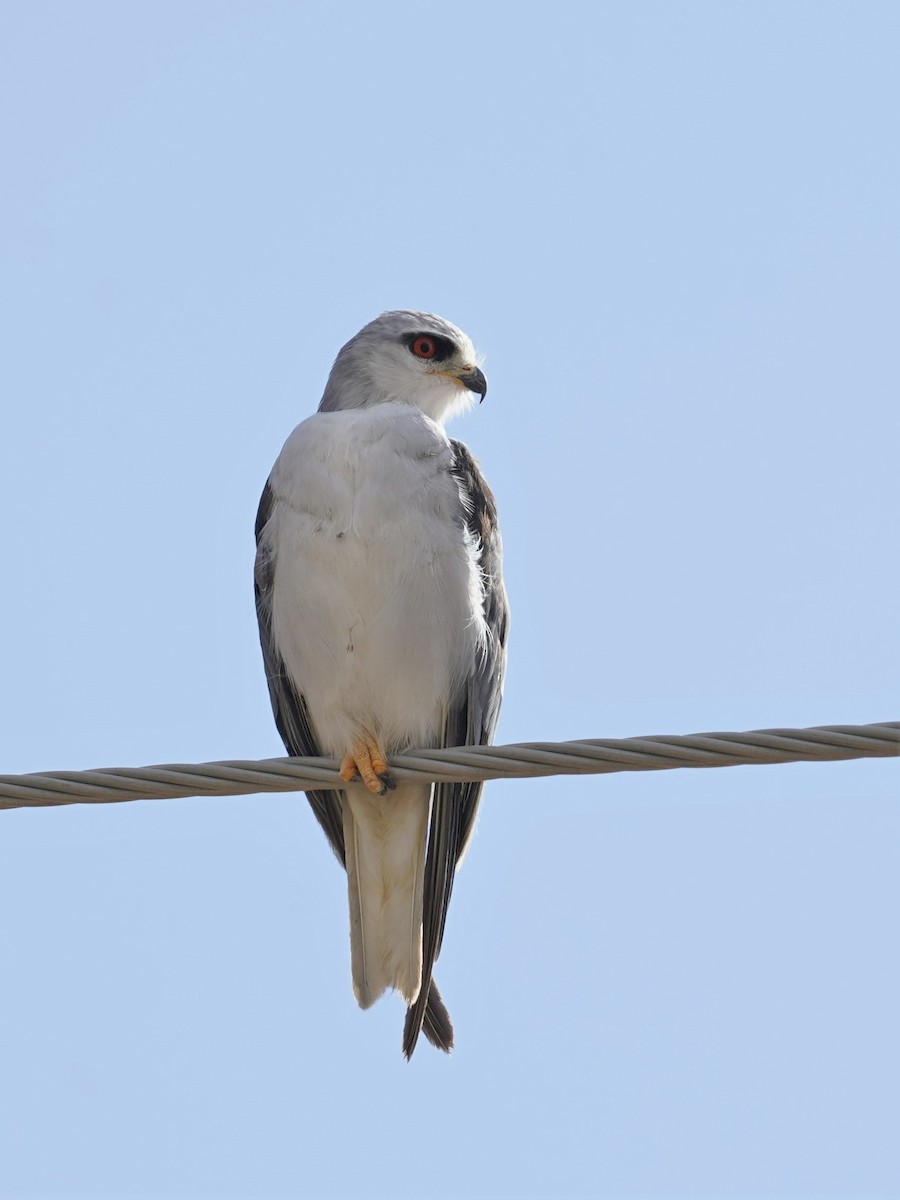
[{"x": 415, "y": 357}]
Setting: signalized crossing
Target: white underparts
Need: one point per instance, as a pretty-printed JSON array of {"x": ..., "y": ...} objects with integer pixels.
[{"x": 377, "y": 615}]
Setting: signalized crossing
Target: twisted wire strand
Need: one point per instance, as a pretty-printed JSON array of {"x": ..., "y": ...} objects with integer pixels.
[{"x": 598, "y": 756}]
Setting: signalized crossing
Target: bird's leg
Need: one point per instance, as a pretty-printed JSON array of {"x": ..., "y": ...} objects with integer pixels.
[{"x": 365, "y": 760}]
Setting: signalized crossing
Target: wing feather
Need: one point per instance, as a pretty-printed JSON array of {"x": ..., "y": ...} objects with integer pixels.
[
  {"x": 469, "y": 720},
  {"x": 289, "y": 706}
]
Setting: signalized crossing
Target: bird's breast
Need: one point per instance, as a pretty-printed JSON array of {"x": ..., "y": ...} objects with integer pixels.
[{"x": 377, "y": 590}]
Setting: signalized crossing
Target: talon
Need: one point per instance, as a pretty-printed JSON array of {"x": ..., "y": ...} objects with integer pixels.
[{"x": 366, "y": 762}]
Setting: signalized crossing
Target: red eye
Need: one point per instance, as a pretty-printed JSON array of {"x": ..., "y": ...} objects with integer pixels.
[{"x": 424, "y": 347}]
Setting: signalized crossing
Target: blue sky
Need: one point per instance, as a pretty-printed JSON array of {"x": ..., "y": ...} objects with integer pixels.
[{"x": 672, "y": 230}]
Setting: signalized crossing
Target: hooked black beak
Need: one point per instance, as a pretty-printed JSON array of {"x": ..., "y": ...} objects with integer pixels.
[{"x": 475, "y": 382}]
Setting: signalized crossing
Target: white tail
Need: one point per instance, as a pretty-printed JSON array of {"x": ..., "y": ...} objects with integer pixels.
[{"x": 385, "y": 839}]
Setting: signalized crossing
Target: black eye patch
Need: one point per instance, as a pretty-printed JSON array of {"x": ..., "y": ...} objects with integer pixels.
[{"x": 431, "y": 346}]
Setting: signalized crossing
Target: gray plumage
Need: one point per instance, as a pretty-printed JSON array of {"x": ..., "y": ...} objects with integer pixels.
[{"x": 383, "y": 615}]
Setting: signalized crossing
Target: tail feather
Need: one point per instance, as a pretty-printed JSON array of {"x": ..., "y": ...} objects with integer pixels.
[
  {"x": 432, "y": 1019},
  {"x": 385, "y": 841}
]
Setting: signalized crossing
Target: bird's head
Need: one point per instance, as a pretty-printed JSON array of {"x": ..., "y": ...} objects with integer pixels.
[{"x": 415, "y": 357}]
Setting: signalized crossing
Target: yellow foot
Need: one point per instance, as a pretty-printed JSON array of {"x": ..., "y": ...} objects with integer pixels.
[{"x": 366, "y": 761}]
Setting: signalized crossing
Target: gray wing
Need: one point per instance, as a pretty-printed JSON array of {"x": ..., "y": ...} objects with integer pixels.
[
  {"x": 470, "y": 721},
  {"x": 288, "y": 704}
]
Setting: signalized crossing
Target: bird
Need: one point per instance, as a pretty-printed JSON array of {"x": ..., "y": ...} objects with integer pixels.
[{"x": 383, "y": 621}]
